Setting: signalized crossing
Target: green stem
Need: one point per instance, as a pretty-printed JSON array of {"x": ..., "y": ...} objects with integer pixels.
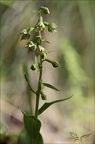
[
  {"x": 40, "y": 77},
  {"x": 38, "y": 91}
]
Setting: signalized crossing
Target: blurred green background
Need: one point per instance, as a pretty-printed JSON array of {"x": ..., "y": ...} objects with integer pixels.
[{"x": 73, "y": 47}]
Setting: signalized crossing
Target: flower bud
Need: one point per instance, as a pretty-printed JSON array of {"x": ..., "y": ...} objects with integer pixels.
[
  {"x": 45, "y": 10},
  {"x": 55, "y": 64},
  {"x": 43, "y": 96},
  {"x": 52, "y": 27},
  {"x": 33, "y": 67}
]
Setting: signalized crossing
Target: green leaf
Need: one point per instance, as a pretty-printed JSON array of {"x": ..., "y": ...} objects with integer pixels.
[
  {"x": 74, "y": 136},
  {"x": 45, "y": 41},
  {"x": 3, "y": 131},
  {"x": 85, "y": 136},
  {"x": 50, "y": 86},
  {"x": 40, "y": 139},
  {"x": 23, "y": 137},
  {"x": 51, "y": 51},
  {"x": 28, "y": 83},
  {"x": 28, "y": 91},
  {"x": 32, "y": 126},
  {"x": 46, "y": 105},
  {"x": 13, "y": 137}
]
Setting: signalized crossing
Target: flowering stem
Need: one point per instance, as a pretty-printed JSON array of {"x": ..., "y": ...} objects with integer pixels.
[{"x": 38, "y": 91}]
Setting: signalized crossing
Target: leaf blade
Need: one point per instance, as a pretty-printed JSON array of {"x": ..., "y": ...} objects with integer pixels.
[
  {"x": 50, "y": 86},
  {"x": 26, "y": 78},
  {"x": 46, "y": 105},
  {"x": 23, "y": 137},
  {"x": 85, "y": 136},
  {"x": 40, "y": 139},
  {"x": 74, "y": 136},
  {"x": 32, "y": 126}
]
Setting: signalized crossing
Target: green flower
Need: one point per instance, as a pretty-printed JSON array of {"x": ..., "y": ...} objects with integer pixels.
[
  {"x": 41, "y": 51},
  {"x": 52, "y": 27},
  {"x": 26, "y": 33},
  {"x": 45, "y": 10},
  {"x": 31, "y": 45},
  {"x": 40, "y": 24}
]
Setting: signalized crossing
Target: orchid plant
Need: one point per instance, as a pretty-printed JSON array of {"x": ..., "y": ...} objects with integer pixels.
[{"x": 30, "y": 134}]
